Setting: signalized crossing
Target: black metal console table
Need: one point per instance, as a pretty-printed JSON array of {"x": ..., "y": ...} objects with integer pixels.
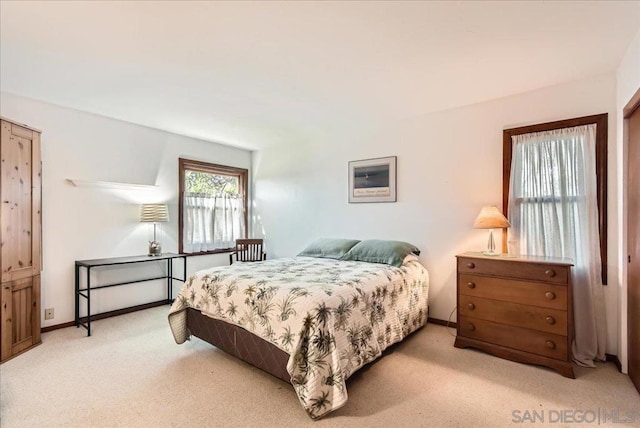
[{"x": 89, "y": 264}]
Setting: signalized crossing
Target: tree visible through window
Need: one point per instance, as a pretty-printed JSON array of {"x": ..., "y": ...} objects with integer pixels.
[
  {"x": 213, "y": 207},
  {"x": 210, "y": 184}
]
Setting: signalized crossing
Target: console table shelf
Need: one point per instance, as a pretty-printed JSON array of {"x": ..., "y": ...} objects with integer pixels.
[{"x": 96, "y": 263}]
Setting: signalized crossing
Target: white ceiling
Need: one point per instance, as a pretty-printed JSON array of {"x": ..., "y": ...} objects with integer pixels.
[{"x": 251, "y": 74}]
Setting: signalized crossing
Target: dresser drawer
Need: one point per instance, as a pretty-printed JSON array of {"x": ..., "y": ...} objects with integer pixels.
[
  {"x": 544, "y": 272},
  {"x": 536, "y": 342},
  {"x": 509, "y": 290},
  {"x": 531, "y": 317}
]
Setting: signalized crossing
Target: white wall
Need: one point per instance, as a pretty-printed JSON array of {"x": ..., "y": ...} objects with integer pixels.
[
  {"x": 84, "y": 223},
  {"x": 628, "y": 82},
  {"x": 449, "y": 166}
]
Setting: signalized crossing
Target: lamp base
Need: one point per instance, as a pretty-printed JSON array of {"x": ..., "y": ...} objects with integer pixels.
[
  {"x": 490, "y": 253},
  {"x": 155, "y": 249},
  {"x": 491, "y": 246}
]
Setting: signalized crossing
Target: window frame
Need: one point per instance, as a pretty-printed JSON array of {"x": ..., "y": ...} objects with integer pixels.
[
  {"x": 601, "y": 122},
  {"x": 209, "y": 168}
]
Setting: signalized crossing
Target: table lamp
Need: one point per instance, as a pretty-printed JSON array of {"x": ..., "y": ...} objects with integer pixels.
[
  {"x": 154, "y": 213},
  {"x": 491, "y": 218}
]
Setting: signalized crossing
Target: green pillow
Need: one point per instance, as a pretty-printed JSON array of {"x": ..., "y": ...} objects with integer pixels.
[
  {"x": 379, "y": 251},
  {"x": 329, "y": 248}
]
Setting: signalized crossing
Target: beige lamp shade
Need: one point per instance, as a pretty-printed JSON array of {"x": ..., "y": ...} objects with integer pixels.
[
  {"x": 154, "y": 213},
  {"x": 491, "y": 218}
]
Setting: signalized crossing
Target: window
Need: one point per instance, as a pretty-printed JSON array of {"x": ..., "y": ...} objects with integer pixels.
[
  {"x": 541, "y": 196},
  {"x": 212, "y": 210},
  {"x": 556, "y": 198}
]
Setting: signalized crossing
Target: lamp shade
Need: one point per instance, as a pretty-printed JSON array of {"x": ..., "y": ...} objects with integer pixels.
[
  {"x": 154, "y": 213},
  {"x": 491, "y": 218}
]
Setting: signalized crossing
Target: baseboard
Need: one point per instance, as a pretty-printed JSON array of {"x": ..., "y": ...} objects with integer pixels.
[
  {"x": 442, "y": 322},
  {"x": 105, "y": 315},
  {"x": 614, "y": 359},
  {"x": 57, "y": 326}
]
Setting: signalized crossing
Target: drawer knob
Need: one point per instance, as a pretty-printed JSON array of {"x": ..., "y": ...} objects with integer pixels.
[
  {"x": 471, "y": 327},
  {"x": 471, "y": 284},
  {"x": 471, "y": 265},
  {"x": 550, "y": 295},
  {"x": 550, "y": 273},
  {"x": 550, "y": 344},
  {"x": 550, "y": 320},
  {"x": 471, "y": 306}
]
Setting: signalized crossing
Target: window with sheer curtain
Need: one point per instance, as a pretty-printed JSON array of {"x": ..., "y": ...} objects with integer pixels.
[
  {"x": 552, "y": 181},
  {"x": 553, "y": 210},
  {"x": 213, "y": 207}
]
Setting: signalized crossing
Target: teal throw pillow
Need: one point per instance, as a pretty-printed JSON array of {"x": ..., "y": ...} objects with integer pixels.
[
  {"x": 380, "y": 251},
  {"x": 331, "y": 248}
]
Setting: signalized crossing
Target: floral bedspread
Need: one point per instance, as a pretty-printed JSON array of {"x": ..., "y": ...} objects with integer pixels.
[{"x": 332, "y": 317}]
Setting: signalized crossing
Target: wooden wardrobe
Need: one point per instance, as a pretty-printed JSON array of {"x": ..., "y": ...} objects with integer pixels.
[{"x": 20, "y": 234}]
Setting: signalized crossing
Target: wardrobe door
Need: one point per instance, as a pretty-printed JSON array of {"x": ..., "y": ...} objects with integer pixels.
[
  {"x": 20, "y": 208},
  {"x": 20, "y": 235},
  {"x": 20, "y": 313}
]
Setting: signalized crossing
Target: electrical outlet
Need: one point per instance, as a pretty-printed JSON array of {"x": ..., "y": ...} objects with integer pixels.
[{"x": 48, "y": 314}]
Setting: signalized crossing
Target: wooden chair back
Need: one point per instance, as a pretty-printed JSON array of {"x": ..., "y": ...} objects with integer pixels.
[{"x": 248, "y": 250}]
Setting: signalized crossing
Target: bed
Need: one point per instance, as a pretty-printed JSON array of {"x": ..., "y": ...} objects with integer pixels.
[{"x": 311, "y": 320}]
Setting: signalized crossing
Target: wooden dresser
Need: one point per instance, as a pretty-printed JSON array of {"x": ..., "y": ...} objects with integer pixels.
[{"x": 519, "y": 308}]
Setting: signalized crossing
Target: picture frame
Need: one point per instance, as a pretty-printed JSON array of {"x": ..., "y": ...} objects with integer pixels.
[{"x": 372, "y": 180}]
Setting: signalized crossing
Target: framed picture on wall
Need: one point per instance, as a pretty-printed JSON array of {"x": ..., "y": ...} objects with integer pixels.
[{"x": 372, "y": 180}]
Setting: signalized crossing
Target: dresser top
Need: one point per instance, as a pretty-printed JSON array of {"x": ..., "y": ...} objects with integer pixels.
[{"x": 523, "y": 258}]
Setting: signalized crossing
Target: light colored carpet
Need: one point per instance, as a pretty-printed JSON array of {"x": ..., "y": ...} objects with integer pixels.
[{"x": 131, "y": 373}]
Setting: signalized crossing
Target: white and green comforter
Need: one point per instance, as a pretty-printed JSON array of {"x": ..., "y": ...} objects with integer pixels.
[{"x": 332, "y": 317}]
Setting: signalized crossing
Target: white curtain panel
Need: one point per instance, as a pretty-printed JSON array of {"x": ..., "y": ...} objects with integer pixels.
[
  {"x": 212, "y": 222},
  {"x": 553, "y": 212}
]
